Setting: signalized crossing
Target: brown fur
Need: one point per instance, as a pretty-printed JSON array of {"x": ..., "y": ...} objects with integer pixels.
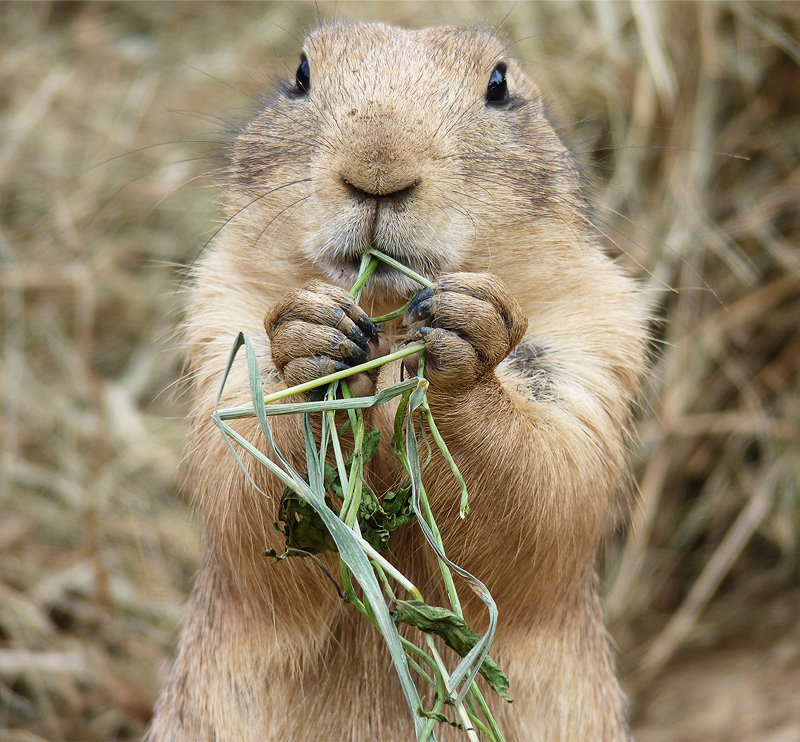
[{"x": 396, "y": 146}]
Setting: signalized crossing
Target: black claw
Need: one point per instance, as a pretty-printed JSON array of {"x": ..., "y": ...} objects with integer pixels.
[
  {"x": 359, "y": 338},
  {"x": 369, "y": 329},
  {"x": 364, "y": 324},
  {"x": 420, "y": 306},
  {"x": 362, "y": 330},
  {"x": 353, "y": 354},
  {"x": 336, "y": 365}
]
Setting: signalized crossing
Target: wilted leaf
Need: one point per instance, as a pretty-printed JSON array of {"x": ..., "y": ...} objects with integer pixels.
[
  {"x": 455, "y": 633},
  {"x": 439, "y": 717},
  {"x": 303, "y": 528}
]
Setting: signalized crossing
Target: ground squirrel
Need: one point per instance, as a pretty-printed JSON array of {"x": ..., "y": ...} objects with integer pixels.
[{"x": 434, "y": 147}]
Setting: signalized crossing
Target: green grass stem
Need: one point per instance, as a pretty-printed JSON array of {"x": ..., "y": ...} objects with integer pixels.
[
  {"x": 464, "y": 508},
  {"x": 398, "y": 266},
  {"x": 369, "y": 263}
]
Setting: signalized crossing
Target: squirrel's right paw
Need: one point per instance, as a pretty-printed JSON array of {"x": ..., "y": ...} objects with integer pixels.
[{"x": 318, "y": 330}]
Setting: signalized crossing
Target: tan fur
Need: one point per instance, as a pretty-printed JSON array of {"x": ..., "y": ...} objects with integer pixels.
[{"x": 269, "y": 652}]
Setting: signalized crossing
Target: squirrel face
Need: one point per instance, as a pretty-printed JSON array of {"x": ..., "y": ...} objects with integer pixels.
[{"x": 428, "y": 145}]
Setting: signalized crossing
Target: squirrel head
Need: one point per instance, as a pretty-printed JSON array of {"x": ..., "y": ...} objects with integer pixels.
[{"x": 430, "y": 145}]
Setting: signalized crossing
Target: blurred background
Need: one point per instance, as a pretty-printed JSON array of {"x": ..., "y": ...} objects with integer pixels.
[{"x": 686, "y": 118}]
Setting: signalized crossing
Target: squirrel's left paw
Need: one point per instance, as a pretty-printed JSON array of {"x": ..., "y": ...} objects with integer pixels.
[{"x": 470, "y": 322}]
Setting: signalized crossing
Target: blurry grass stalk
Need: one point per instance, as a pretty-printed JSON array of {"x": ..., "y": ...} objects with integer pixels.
[{"x": 359, "y": 559}]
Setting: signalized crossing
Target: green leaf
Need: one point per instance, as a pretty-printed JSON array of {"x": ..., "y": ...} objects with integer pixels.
[
  {"x": 398, "y": 505},
  {"x": 372, "y": 439},
  {"x": 305, "y": 530},
  {"x": 436, "y": 716},
  {"x": 379, "y": 519},
  {"x": 272, "y": 554},
  {"x": 455, "y": 633},
  {"x": 303, "y": 527}
]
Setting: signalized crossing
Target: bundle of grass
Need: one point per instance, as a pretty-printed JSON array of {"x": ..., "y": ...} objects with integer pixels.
[{"x": 329, "y": 507}]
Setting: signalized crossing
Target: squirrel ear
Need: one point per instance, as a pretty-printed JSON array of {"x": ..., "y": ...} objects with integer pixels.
[{"x": 497, "y": 90}]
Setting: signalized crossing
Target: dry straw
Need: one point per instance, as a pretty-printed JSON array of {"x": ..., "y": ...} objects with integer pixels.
[{"x": 684, "y": 115}]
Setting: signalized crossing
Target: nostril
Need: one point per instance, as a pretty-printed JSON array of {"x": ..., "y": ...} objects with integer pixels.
[
  {"x": 356, "y": 192},
  {"x": 392, "y": 194},
  {"x": 402, "y": 194}
]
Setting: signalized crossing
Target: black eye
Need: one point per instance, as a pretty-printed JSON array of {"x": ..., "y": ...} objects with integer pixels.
[
  {"x": 302, "y": 78},
  {"x": 497, "y": 91}
]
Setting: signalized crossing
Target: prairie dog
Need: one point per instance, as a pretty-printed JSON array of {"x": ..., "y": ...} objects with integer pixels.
[{"x": 433, "y": 146}]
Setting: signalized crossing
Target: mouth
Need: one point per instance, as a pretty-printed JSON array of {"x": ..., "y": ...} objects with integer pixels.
[
  {"x": 386, "y": 279},
  {"x": 391, "y": 266}
]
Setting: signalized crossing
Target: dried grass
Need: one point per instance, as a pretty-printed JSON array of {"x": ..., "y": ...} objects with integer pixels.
[{"x": 688, "y": 120}]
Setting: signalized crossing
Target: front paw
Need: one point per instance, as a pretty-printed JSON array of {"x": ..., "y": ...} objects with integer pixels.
[
  {"x": 317, "y": 330},
  {"x": 472, "y": 322}
]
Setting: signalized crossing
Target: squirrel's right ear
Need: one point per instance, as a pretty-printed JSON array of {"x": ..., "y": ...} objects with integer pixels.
[{"x": 302, "y": 78}]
